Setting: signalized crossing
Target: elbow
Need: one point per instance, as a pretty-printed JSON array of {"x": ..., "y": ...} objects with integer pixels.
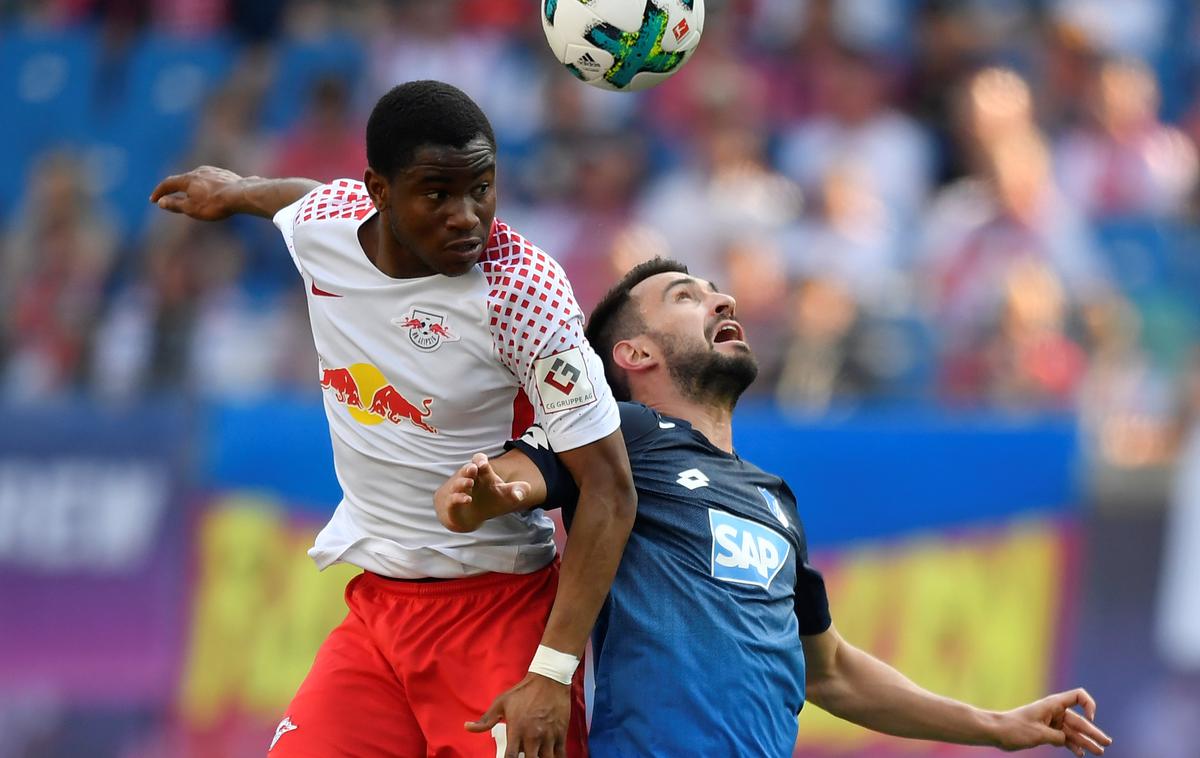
[
  {"x": 816, "y": 690},
  {"x": 625, "y": 503},
  {"x": 615, "y": 495}
]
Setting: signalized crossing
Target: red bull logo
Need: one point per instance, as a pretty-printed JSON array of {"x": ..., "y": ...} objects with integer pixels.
[
  {"x": 396, "y": 408},
  {"x": 341, "y": 381},
  {"x": 350, "y": 385},
  {"x": 426, "y": 330}
]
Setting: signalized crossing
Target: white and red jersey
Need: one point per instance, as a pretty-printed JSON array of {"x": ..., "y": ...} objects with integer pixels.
[{"x": 420, "y": 374}]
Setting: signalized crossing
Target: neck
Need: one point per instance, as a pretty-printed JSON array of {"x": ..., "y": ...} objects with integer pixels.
[
  {"x": 385, "y": 253},
  {"x": 715, "y": 422}
]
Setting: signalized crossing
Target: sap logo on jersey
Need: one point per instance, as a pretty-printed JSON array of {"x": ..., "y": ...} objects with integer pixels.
[
  {"x": 563, "y": 381},
  {"x": 744, "y": 551}
]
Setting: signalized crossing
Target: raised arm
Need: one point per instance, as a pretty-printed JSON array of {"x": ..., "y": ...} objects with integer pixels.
[
  {"x": 859, "y": 688},
  {"x": 209, "y": 193}
]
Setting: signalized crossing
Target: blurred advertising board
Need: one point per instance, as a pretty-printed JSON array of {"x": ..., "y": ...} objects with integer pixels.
[{"x": 162, "y": 602}]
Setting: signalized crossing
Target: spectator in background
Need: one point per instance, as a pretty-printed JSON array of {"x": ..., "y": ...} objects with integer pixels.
[
  {"x": 426, "y": 41},
  {"x": 821, "y": 362},
  {"x": 1124, "y": 161},
  {"x": 185, "y": 321},
  {"x": 725, "y": 190},
  {"x": 228, "y": 133},
  {"x": 56, "y": 260},
  {"x": 850, "y": 237},
  {"x": 1128, "y": 408},
  {"x": 856, "y": 127},
  {"x": 327, "y": 142},
  {"x": 1120, "y": 27},
  {"x": 1028, "y": 361},
  {"x": 978, "y": 229}
]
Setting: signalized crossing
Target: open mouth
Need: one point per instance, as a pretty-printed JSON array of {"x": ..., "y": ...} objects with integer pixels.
[{"x": 728, "y": 331}]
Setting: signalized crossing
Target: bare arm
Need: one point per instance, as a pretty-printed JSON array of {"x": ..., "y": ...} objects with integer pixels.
[
  {"x": 857, "y": 687},
  {"x": 603, "y": 519},
  {"x": 209, "y": 193}
]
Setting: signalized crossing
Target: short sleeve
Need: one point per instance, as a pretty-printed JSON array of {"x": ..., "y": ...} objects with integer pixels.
[
  {"x": 561, "y": 491},
  {"x": 537, "y": 331},
  {"x": 638, "y": 423},
  {"x": 285, "y": 221},
  {"x": 812, "y": 602},
  {"x": 341, "y": 200}
]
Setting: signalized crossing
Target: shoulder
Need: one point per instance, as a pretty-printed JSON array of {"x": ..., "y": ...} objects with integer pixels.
[
  {"x": 637, "y": 422},
  {"x": 343, "y": 199},
  {"x": 529, "y": 296},
  {"x": 512, "y": 264}
]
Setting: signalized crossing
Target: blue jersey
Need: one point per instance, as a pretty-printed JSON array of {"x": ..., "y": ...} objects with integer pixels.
[{"x": 697, "y": 648}]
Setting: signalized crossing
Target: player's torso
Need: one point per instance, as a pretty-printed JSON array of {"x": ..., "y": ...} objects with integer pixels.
[
  {"x": 706, "y": 586},
  {"x": 412, "y": 388},
  {"x": 407, "y": 367}
]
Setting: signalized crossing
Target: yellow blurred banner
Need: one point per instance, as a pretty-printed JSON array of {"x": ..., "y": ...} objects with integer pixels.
[
  {"x": 260, "y": 611},
  {"x": 974, "y": 617}
]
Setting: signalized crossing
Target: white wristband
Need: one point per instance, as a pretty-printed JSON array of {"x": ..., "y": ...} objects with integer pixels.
[{"x": 554, "y": 665}]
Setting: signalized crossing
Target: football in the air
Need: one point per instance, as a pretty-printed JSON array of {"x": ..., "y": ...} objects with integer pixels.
[{"x": 622, "y": 44}]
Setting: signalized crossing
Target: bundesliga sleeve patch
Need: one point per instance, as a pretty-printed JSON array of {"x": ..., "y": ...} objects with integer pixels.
[{"x": 563, "y": 382}]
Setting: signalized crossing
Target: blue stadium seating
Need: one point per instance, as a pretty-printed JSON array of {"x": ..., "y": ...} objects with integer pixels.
[
  {"x": 299, "y": 65},
  {"x": 46, "y": 82},
  {"x": 153, "y": 117}
]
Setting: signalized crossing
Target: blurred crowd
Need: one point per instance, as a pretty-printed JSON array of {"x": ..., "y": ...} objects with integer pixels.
[{"x": 950, "y": 202}]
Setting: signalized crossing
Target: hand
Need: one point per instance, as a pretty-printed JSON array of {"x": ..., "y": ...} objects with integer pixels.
[
  {"x": 1051, "y": 721},
  {"x": 206, "y": 193},
  {"x": 536, "y": 713},
  {"x": 476, "y": 493}
]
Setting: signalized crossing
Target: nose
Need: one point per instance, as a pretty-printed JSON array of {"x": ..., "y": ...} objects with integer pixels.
[
  {"x": 723, "y": 304},
  {"x": 463, "y": 215}
]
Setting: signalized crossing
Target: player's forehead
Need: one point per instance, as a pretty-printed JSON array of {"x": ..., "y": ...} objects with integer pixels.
[
  {"x": 431, "y": 160},
  {"x": 655, "y": 289}
]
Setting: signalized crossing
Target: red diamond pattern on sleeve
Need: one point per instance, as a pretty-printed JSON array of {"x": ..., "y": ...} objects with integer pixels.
[
  {"x": 532, "y": 310},
  {"x": 343, "y": 199}
]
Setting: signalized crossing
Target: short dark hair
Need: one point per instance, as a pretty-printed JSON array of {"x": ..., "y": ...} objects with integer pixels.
[
  {"x": 421, "y": 113},
  {"x": 614, "y": 319}
]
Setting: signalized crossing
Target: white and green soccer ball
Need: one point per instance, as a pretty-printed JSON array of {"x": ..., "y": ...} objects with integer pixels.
[{"x": 622, "y": 44}]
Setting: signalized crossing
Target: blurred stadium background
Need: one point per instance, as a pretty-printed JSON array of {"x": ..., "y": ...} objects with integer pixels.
[{"x": 963, "y": 236}]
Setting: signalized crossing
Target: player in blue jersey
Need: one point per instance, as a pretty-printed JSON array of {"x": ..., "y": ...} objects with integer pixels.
[{"x": 716, "y": 629}]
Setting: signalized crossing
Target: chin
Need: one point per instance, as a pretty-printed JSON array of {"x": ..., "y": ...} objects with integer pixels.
[{"x": 457, "y": 267}]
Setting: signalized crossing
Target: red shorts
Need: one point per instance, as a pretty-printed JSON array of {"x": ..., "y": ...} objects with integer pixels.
[{"x": 414, "y": 661}]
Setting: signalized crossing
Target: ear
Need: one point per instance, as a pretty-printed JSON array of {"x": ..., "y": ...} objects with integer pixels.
[
  {"x": 377, "y": 188},
  {"x": 635, "y": 355}
]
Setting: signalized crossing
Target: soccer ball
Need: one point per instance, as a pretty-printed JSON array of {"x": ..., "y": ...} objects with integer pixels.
[{"x": 622, "y": 44}]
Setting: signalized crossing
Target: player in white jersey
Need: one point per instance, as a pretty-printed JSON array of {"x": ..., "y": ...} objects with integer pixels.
[{"x": 441, "y": 332}]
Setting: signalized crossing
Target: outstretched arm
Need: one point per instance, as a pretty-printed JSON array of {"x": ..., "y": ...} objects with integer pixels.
[
  {"x": 484, "y": 489},
  {"x": 209, "y": 193},
  {"x": 857, "y": 687}
]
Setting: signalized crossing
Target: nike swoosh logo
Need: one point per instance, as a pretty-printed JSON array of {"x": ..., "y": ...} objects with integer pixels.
[{"x": 320, "y": 292}]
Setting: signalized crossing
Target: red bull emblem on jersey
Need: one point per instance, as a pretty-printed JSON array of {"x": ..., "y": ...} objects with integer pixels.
[
  {"x": 426, "y": 329},
  {"x": 351, "y": 385}
]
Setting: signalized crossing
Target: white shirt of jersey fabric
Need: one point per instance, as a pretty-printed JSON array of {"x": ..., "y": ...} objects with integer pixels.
[{"x": 420, "y": 374}]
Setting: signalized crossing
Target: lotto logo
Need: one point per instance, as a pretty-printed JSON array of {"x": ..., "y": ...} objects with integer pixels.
[
  {"x": 745, "y": 551},
  {"x": 693, "y": 479}
]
